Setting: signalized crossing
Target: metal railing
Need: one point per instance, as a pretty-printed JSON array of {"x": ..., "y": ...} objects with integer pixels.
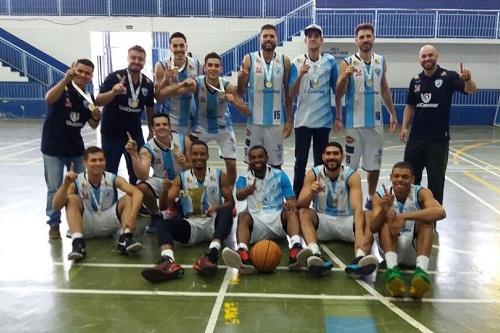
[
  {"x": 483, "y": 97},
  {"x": 22, "y": 91}
]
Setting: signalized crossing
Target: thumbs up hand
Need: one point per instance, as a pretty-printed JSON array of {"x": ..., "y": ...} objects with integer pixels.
[{"x": 71, "y": 175}]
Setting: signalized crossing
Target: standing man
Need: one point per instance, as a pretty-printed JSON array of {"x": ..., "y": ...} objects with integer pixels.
[
  {"x": 363, "y": 81},
  {"x": 69, "y": 107},
  {"x": 266, "y": 74},
  {"x": 313, "y": 78},
  {"x": 178, "y": 68},
  {"x": 125, "y": 94},
  {"x": 428, "y": 109}
]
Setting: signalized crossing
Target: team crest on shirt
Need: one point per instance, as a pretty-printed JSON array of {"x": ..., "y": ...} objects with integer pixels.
[
  {"x": 145, "y": 91},
  {"x": 378, "y": 71},
  {"x": 85, "y": 196},
  {"x": 377, "y": 61},
  {"x": 355, "y": 62},
  {"x": 74, "y": 116},
  {"x": 438, "y": 83},
  {"x": 426, "y": 97},
  {"x": 416, "y": 88},
  {"x": 258, "y": 70}
]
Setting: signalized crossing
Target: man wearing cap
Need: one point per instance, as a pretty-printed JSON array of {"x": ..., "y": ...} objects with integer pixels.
[{"x": 313, "y": 77}]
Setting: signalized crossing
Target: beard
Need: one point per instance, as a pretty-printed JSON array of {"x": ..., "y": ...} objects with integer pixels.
[
  {"x": 268, "y": 46},
  {"x": 332, "y": 165}
]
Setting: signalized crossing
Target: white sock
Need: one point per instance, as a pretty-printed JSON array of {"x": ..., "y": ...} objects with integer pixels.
[
  {"x": 125, "y": 231},
  {"x": 243, "y": 246},
  {"x": 168, "y": 253},
  {"x": 423, "y": 262},
  {"x": 75, "y": 235},
  {"x": 314, "y": 247},
  {"x": 295, "y": 239},
  {"x": 391, "y": 259},
  {"x": 370, "y": 197},
  {"x": 215, "y": 244},
  {"x": 360, "y": 253}
]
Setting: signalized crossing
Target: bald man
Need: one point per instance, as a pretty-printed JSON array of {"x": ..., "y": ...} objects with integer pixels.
[{"x": 428, "y": 109}]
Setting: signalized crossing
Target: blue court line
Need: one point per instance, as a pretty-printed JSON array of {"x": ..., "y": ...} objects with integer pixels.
[{"x": 350, "y": 325}]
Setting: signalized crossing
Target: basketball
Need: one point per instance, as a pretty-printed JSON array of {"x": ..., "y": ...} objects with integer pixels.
[{"x": 265, "y": 255}]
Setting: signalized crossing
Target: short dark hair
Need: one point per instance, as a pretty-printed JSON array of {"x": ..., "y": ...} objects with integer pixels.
[
  {"x": 213, "y": 55},
  {"x": 177, "y": 35},
  {"x": 199, "y": 143},
  {"x": 364, "y": 26},
  {"x": 160, "y": 115},
  {"x": 85, "y": 62},
  {"x": 403, "y": 165},
  {"x": 268, "y": 27},
  {"x": 257, "y": 147},
  {"x": 137, "y": 48},
  {"x": 91, "y": 150},
  {"x": 334, "y": 144}
]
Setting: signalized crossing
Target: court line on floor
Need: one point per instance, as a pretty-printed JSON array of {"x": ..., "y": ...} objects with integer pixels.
[
  {"x": 457, "y": 155},
  {"x": 461, "y": 153},
  {"x": 482, "y": 181},
  {"x": 472, "y": 195},
  {"x": 212, "y": 321},
  {"x": 403, "y": 315},
  {"x": 19, "y": 144}
]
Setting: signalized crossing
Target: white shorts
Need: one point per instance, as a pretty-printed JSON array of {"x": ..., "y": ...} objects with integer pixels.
[
  {"x": 407, "y": 252},
  {"x": 365, "y": 144},
  {"x": 156, "y": 185},
  {"x": 335, "y": 228},
  {"x": 202, "y": 229},
  {"x": 271, "y": 137},
  {"x": 103, "y": 224},
  {"x": 226, "y": 141},
  {"x": 267, "y": 225}
]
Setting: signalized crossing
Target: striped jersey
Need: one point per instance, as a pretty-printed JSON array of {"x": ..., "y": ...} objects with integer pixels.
[
  {"x": 97, "y": 199},
  {"x": 411, "y": 204},
  {"x": 334, "y": 199},
  {"x": 163, "y": 160}
]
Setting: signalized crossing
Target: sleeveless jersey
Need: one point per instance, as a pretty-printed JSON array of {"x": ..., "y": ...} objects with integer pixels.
[
  {"x": 411, "y": 204},
  {"x": 97, "y": 199},
  {"x": 163, "y": 161},
  {"x": 334, "y": 200}
]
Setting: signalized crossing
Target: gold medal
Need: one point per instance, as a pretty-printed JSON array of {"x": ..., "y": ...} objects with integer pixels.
[
  {"x": 221, "y": 95},
  {"x": 369, "y": 83},
  {"x": 133, "y": 103},
  {"x": 269, "y": 84},
  {"x": 314, "y": 84},
  {"x": 93, "y": 108}
]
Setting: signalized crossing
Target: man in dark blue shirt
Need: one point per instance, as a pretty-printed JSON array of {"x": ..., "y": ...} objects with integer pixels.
[
  {"x": 428, "y": 104},
  {"x": 69, "y": 107},
  {"x": 125, "y": 94}
]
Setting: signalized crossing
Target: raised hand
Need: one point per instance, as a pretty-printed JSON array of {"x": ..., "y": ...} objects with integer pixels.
[
  {"x": 243, "y": 73},
  {"x": 304, "y": 68},
  {"x": 71, "y": 175},
  {"x": 464, "y": 73},
  {"x": 317, "y": 187},
  {"x": 120, "y": 88},
  {"x": 131, "y": 145},
  {"x": 178, "y": 155},
  {"x": 189, "y": 82},
  {"x": 349, "y": 70},
  {"x": 251, "y": 188},
  {"x": 229, "y": 98},
  {"x": 70, "y": 73},
  {"x": 387, "y": 199}
]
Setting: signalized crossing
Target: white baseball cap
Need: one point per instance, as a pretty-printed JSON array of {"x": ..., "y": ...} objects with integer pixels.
[{"x": 312, "y": 27}]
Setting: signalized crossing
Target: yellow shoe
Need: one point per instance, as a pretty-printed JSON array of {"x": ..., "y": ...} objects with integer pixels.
[
  {"x": 394, "y": 282},
  {"x": 420, "y": 284}
]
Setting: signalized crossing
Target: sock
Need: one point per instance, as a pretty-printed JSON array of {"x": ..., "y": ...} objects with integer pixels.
[
  {"x": 214, "y": 244},
  {"x": 423, "y": 262},
  {"x": 360, "y": 253},
  {"x": 76, "y": 235},
  {"x": 391, "y": 259},
  {"x": 168, "y": 253},
  {"x": 125, "y": 231},
  {"x": 295, "y": 240},
  {"x": 314, "y": 248},
  {"x": 370, "y": 197},
  {"x": 243, "y": 246}
]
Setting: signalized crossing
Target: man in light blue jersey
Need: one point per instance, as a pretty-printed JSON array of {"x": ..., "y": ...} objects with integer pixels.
[
  {"x": 362, "y": 79},
  {"x": 265, "y": 74},
  {"x": 166, "y": 154},
  {"x": 177, "y": 68},
  {"x": 212, "y": 120},
  {"x": 312, "y": 78}
]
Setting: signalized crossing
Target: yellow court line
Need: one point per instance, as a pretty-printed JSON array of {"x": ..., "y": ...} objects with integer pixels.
[
  {"x": 456, "y": 155},
  {"x": 482, "y": 181},
  {"x": 462, "y": 150}
]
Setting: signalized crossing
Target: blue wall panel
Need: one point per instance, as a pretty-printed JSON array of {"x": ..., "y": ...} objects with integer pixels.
[
  {"x": 34, "y": 7},
  {"x": 185, "y": 8},
  {"x": 134, "y": 7},
  {"x": 421, "y": 4},
  {"x": 87, "y": 7},
  {"x": 4, "y": 10},
  {"x": 237, "y": 8},
  {"x": 22, "y": 109},
  {"x": 279, "y": 8}
]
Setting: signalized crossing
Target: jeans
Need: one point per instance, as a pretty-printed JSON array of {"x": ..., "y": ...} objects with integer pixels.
[
  {"x": 303, "y": 136},
  {"x": 113, "y": 149},
  {"x": 54, "y": 172}
]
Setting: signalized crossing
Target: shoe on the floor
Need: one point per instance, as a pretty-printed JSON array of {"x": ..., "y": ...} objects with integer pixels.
[
  {"x": 54, "y": 232},
  {"x": 79, "y": 250},
  {"x": 420, "y": 284},
  {"x": 303, "y": 255},
  {"x": 293, "y": 263},
  {"x": 127, "y": 245},
  {"x": 153, "y": 223},
  {"x": 165, "y": 270},
  {"x": 394, "y": 282},
  {"x": 317, "y": 266},
  {"x": 238, "y": 259},
  {"x": 362, "y": 266},
  {"x": 205, "y": 267}
]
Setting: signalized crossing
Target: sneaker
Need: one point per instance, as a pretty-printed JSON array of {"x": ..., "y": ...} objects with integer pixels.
[
  {"x": 153, "y": 222},
  {"x": 369, "y": 204},
  {"x": 79, "y": 251},
  {"x": 362, "y": 266},
  {"x": 126, "y": 244},
  {"x": 394, "y": 282},
  {"x": 205, "y": 267},
  {"x": 165, "y": 270},
  {"x": 303, "y": 255},
  {"x": 293, "y": 264},
  {"x": 54, "y": 232},
  {"x": 144, "y": 211},
  {"x": 317, "y": 267},
  {"x": 420, "y": 284},
  {"x": 238, "y": 259}
]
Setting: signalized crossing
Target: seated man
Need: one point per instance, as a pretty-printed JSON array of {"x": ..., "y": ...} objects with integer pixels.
[
  {"x": 337, "y": 214},
  {"x": 405, "y": 227},
  {"x": 93, "y": 208},
  {"x": 165, "y": 153},
  {"x": 266, "y": 217},
  {"x": 207, "y": 201}
]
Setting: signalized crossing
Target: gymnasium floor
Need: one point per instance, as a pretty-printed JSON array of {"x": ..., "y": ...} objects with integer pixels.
[{"x": 41, "y": 291}]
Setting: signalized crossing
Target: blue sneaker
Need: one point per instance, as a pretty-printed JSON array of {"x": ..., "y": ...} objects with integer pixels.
[
  {"x": 369, "y": 204},
  {"x": 362, "y": 266},
  {"x": 317, "y": 267}
]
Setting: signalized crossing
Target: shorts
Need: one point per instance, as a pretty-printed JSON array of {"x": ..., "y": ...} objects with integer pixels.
[
  {"x": 156, "y": 185},
  {"x": 407, "y": 251},
  {"x": 271, "y": 137},
  {"x": 202, "y": 229},
  {"x": 365, "y": 144},
  {"x": 226, "y": 141},
  {"x": 267, "y": 225},
  {"x": 335, "y": 228},
  {"x": 97, "y": 225}
]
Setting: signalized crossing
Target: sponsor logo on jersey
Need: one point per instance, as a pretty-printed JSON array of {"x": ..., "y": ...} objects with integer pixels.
[
  {"x": 426, "y": 98},
  {"x": 74, "y": 116}
]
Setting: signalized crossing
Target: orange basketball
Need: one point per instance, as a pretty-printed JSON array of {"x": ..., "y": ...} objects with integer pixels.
[{"x": 265, "y": 255}]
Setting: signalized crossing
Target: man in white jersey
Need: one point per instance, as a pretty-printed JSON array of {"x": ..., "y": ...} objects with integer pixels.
[
  {"x": 177, "y": 68},
  {"x": 265, "y": 74},
  {"x": 404, "y": 217},
  {"x": 207, "y": 200},
  {"x": 93, "y": 208},
  {"x": 271, "y": 212},
  {"x": 212, "y": 120},
  {"x": 362, "y": 79},
  {"x": 166, "y": 154},
  {"x": 312, "y": 78},
  {"x": 336, "y": 214}
]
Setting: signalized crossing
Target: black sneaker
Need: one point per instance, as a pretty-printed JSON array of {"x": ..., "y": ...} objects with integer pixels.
[
  {"x": 318, "y": 267},
  {"x": 127, "y": 246},
  {"x": 79, "y": 251},
  {"x": 153, "y": 223}
]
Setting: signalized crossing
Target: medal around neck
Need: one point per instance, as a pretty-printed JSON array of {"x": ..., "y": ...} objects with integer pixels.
[{"x": 133, "y": 102}]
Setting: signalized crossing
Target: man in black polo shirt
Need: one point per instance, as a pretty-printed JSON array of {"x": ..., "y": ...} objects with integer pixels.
[
  {"x": 428, "y": 104},
  {"x": 69, "y": 107},
  {"x": 125, "y": 94}
]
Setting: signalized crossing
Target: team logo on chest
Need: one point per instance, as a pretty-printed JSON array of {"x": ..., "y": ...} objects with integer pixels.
[
  {"x": 426, "y": 97},
  {"x": 438, "y": 83},
  {"x": 145, "y": 91},
  {"x": 74, "y": 116}
]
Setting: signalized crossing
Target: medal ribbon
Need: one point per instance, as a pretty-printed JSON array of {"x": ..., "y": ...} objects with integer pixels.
[{"x": 134, "y": 93}]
